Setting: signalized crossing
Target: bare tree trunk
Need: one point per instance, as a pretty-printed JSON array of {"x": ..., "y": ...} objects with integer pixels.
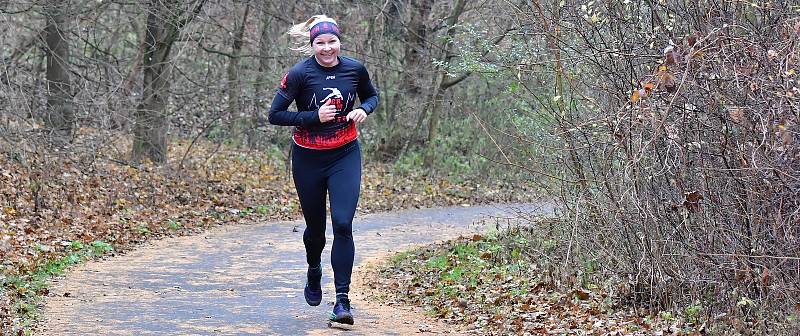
[
  {"x": 393, "y": 25},
  {"x": 234, "y": 87},
  {"x": 266, "y": 66},
  {"x": 152, "y": 122},
  {"x": 415, "y": 46},
  {"x": 410, "y": 95},
  {"x": 435, "y": 107},
  {"x": 438, "y": 94},
  {"x": 60, "y": 116}
]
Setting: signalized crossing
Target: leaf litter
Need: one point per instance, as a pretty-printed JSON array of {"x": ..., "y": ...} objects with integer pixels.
[
  {"x": 48, "y": 203},
  {"x": 483, "y": 285}
]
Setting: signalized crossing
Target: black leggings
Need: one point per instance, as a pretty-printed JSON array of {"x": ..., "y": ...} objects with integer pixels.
[{"x": 336, "y": 172}]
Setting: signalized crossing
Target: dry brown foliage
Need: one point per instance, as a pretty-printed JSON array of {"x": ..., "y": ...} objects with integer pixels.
[
  {"x": 682, "y": 160},
  {"x": 50, "y": 200}
]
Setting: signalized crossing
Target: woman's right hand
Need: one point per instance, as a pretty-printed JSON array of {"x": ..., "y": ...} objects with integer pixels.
[{"x": 327, "y": 112}]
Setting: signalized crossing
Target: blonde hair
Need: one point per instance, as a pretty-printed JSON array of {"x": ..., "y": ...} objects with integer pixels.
[{"x": 299, "y": 33}]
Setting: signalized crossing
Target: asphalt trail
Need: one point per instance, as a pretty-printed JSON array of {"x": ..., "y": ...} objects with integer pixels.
[{"x": 240, "y": 280}]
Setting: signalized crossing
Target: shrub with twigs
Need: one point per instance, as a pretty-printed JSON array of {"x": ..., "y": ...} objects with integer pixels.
[{"x": 674, "y": 149}]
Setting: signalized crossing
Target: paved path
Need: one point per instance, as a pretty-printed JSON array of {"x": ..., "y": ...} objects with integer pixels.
[{"x": 238, "y": 280}]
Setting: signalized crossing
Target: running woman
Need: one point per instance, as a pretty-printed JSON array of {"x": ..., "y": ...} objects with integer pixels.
[{"x": 326, "y": 156}]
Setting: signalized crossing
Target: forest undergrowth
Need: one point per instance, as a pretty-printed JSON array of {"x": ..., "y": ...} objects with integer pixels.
[
  {"x": 61, "y": 210},
  {"x": 503, "y": 283}
]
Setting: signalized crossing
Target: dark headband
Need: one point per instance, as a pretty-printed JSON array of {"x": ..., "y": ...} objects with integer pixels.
[{"x": 324, "y": 27}]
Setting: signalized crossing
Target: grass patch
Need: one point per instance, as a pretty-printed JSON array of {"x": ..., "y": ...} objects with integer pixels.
[
  {"x": 498, "y": 284},
  {"x": 30, "y": 288}
]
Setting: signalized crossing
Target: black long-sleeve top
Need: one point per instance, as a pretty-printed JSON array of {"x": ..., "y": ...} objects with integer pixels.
[{"x": 311, "y": 85}]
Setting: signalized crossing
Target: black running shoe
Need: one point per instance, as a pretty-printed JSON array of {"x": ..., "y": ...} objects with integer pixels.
[
  {"x": 313, "y": 289},
  {"x": 313, "y": 297},
  {"x": 341, "y": 312}
]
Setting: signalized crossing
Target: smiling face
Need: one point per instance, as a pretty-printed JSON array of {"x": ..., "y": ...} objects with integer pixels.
[{"x": 326, "y": 50}]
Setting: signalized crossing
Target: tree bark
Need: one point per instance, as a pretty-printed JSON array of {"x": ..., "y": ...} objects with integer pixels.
[
  {"x": 266, "y": 67},
  {"x": 152, "y": 122},
  {"x": 438, "y": 94},
  {"x": 265, "y": 64},
  {"x": 234, "y": 87},
  {"x": 60, "y": 116},
  {"x": 415, "y": 46},
  {"x": 409, "y": 95},
  {"x": 394, "y": 24}
]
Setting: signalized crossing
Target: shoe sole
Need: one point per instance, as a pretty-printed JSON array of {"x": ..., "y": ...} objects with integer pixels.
[
  {"x": 313, "y": 303},
  {"x": 342, "y": 320},
  {"x": 341, "y": 326}
]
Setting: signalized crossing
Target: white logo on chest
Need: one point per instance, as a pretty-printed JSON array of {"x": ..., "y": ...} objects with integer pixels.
[
  {"x": 335, "y": 94},
  {"x": 331, "y": 77}
]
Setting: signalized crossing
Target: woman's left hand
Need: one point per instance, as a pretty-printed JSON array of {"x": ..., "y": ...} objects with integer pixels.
[{"x": 358, "y": 115}]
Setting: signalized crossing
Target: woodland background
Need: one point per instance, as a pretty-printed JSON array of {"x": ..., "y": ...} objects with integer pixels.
[{"x": 665, "y": 130}]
